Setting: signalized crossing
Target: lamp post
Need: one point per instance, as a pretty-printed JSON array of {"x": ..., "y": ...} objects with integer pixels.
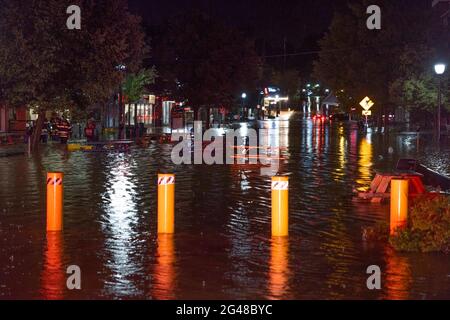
[
  {"x": 121, "y": 68},
  {"x": 439, "y": 68},
  {"x": 243, "y": 96}
]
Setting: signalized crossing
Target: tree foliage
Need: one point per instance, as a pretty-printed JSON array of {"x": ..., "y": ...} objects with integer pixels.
[
  {"x": 367, "y": 62},
  {"x": 46, "y": 65},
  {"x": 135, "y": 85},
  {"x": 204, "y": 61},
  {"x": 417, "y": 84}
]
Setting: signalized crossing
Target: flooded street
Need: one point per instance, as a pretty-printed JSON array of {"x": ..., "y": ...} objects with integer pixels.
[{"x": 222, "y": 247}]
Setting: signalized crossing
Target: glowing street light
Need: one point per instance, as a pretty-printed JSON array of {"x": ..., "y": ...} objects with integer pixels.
[
  {"x": 439, "y": 68},
  {"x": 243, "y": 96}
]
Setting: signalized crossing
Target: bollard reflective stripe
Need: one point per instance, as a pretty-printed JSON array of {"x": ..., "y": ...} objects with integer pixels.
[
  {"x": 166, "y": 203},
  {"x": 55, "y": 201},
  {"x": 399, "y": 204},
  {"x": 280, "y": 185},
  {"x": 166, "y": 179},
  {"x": 280, "y": 206}
]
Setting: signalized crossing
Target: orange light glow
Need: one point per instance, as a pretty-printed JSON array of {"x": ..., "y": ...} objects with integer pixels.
[
  {"x": 164, "y": 273},
  {"x": 279, "y": 268},
  {"x": 53, "y": 275}
]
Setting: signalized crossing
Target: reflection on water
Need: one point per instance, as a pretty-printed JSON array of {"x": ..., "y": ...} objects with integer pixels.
[
  {"x": 119, "y": 224},
  {"x": 279, "y": 268},
  {"x": 53, "y": 274},
  {"x": 365, "y": 161},
  {"x": 397, "y": 276},
  {"x": 164, "y": 271},
  {"x": 222, "y": 248}
]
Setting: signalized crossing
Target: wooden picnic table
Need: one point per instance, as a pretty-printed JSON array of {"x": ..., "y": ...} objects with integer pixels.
[{"x": 380, "y": 186}]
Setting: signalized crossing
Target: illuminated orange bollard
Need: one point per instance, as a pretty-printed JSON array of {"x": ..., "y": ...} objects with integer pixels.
[
  {"x": 166, "y": 203},
  {"x": 280, "y": 206},
  {"x": 399, "y": 204},
  {"x": 55, "y": 201}
]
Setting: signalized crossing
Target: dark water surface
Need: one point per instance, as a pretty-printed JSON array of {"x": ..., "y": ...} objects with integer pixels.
[{"x": 222, "y": 248}]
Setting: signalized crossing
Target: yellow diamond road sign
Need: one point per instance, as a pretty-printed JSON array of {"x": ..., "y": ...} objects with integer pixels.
[{"x": 366, "y": 103}]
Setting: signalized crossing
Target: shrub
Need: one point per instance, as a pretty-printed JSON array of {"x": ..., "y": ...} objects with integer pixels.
[{"x": 428, "y": 227}]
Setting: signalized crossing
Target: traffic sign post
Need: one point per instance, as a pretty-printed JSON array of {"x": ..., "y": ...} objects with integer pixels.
[{"x": 366, "y": 104}]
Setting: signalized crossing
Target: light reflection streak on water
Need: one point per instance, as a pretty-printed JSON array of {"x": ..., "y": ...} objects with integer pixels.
[
  {"x": 318, "y": 137},
  {"x": 339, "y": 172},
  {"x": 308, "y": 136},
  {"x": 398, "y": 275},
  {"x": 53, "y": 275},
  {"x": 279, "y": 270},
  {"x": 164, "y": 272},
  {"x": 119, "y": 221},
  {"x": 365, "y": 162}
]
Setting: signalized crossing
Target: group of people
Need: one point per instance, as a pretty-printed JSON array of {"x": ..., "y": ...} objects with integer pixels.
[{"x": 60, "y": 129}]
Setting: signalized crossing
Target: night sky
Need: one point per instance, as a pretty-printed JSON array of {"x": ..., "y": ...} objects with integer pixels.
[
  {"x": 294, "y": 19},
  {"x": 298, "y": 25}
]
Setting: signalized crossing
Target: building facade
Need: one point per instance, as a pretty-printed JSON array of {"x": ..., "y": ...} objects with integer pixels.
[{"x": 13, "y": 119}]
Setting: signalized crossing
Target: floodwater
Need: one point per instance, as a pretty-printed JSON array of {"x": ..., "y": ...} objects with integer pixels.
[{"x": 222, "y": 248}]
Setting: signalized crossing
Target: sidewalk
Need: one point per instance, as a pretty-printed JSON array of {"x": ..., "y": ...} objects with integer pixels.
[{"x": 14, "y": 150}]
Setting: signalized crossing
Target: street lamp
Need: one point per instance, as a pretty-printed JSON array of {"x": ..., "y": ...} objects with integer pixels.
[
  {"x": 439, "y": 68},
  {"x": 122, "y": 69},
  {"x": 243, "y": 96}
]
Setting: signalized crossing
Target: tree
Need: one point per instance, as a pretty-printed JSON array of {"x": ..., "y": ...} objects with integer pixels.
[
  {"x": 205, "y": 62},
  {"x": 46, "y": 66},
  {"x": 135, "y": 84},
  {"x": 365, "y": 62},
  {"x": 416, "y": 87}
]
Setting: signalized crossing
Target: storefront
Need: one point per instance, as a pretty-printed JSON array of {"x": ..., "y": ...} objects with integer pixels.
[
  {"x": 141, "y": 113},
  {"x": 275, "y": 104}
]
